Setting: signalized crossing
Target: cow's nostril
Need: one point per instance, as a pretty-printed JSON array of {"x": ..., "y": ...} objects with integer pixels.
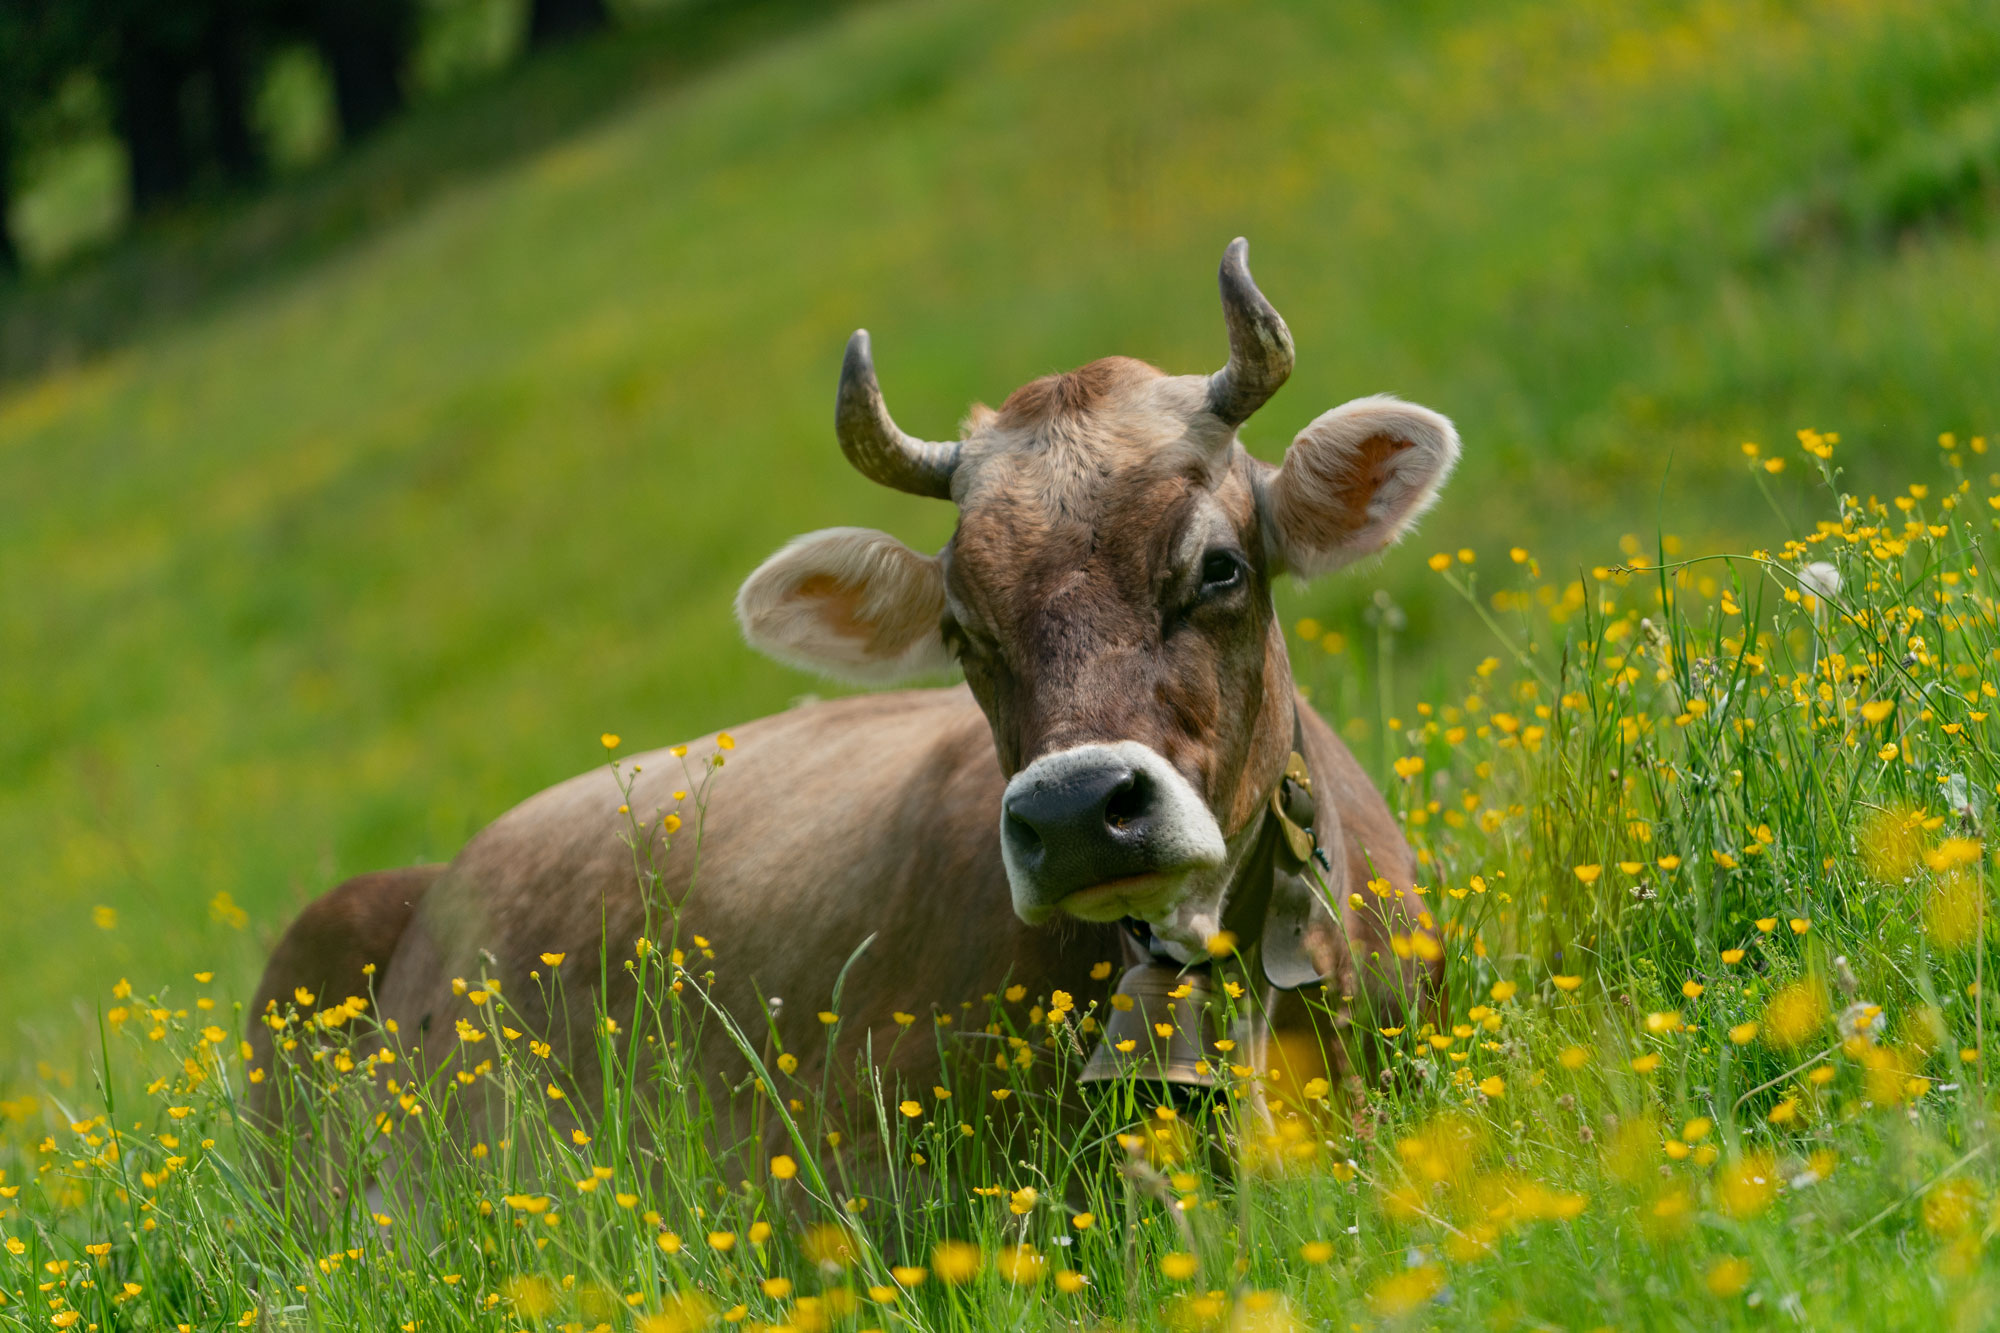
[
  {"x": 1024, "y": 840},
  {"x": 1129, "y": 803}
]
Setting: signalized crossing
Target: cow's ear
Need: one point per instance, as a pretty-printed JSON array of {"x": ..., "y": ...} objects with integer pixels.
[
  {"x": 1355, "y": 480},
  {"x": 850, "y": 603}
]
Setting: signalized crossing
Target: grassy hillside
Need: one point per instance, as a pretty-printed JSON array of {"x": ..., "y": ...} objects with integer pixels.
[{"x": 323, "y": 571}]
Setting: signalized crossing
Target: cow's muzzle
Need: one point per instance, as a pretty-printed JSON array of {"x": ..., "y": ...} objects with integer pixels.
[{"x": 1103, "y": 832}]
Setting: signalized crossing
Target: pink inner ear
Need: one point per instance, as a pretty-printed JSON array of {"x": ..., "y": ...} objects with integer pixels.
[
  {"x": 839, "y": 607},
  {"x": 1367, "y": 470},
  {"x": 1322, "y": 507}
]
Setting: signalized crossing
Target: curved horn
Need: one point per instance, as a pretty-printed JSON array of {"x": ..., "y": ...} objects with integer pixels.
[
  {"x": 870, "y": 439},
  {"x": 1260, "y": 346}
]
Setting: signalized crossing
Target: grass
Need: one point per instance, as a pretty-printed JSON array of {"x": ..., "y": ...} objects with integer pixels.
[
  {"x": 419, "y": 474},
  {"x": 1703, "y": 844},
  {"x": 383, "y": 496}
]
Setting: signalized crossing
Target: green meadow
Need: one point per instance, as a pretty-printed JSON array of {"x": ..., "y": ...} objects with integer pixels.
[{"x": 336, "y": 520}]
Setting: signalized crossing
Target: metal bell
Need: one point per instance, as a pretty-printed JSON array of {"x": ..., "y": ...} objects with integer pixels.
[{"x": 1185, "y": 1056}]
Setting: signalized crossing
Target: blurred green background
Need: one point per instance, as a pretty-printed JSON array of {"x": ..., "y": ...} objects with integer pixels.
[{"x": 342, "y": 510}]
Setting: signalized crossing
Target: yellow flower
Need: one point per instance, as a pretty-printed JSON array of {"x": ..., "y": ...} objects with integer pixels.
[
  {"x": 1408, "y": 766},
  {"x": 1785, "y": 1112},
  {"x": 722, "y": 1242},
  {"x": 911, "y": 1109},
  {"x": 1669, "y": 862},
  {"x": 1889, "y": 751},
  {"x": 1569, "y": 983},
  {"x": 788, "y": 1063},
  {"x": 609, "y": 740},
  {"x": 1732, "y": 956},
  {"x": 1099, "y": 971},
  {"x": 777, "y": 1288},
  {"x": 1316, "y": 1251},
  {"x": 1743, "y": 1033},
  {"x": 1399, "y": 1293},
  {"x": 784, "y": 1168},
  {"x": 1069, "y": 1282},
  {"x": 1794, "y": 1015},
  {"x": 1692, "y": 989},
  {"x": 1728, "y": 1277},
  {"x": 724, "y": 741},
  {"x": 908, "y": 1276},
  {"x": 1800, "y": 925},
  {"x": 554, "y": 959},
  {"x": 1767, "y": 924},
  {"x": 1503, "y": 991},
  {"x": 1178, "y": 1267},
  {"x": 1647, "y": 1063},
  {"x": 1588, "y": 874},
  {"x": 1022, "y": 1201},
  {"x": 1494, "y": 1086},
  {"x": 1951, "y": 1207},
  {"x": 1020, "y": 1265},
  {"x": 1875, "y": 710},
  {"x": 1746, "y": 1187},
  {"x": 1439, "y": 562},
  {"x": 955, "y": 1262},
  {"x": 105, "y": 917},
  {"x": 1083, "y": 1221},
  {"x": 1574, "y": 1057},
  {"x": 828, "y": 1017}
]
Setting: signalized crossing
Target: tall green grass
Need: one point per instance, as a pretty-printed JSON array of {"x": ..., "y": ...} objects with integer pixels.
[{"x": 1703, "y": 844}]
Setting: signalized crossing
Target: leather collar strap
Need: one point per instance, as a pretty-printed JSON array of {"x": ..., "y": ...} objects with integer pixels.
[{"x": 1276, "y": 873}]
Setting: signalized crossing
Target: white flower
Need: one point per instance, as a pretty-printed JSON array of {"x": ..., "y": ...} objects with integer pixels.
[{"x": 1820, "y": 579}]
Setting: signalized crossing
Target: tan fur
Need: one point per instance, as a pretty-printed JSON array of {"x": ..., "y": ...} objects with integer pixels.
[{"x": 829, "y": 823}]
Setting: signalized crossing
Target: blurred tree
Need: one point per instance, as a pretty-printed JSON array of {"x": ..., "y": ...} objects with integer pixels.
[
  {"x": 366, "y": 45},
  {"x": 41, "y": 42},
  {"x": 165, "y": 61},
  {"x": 554, "y": 20},
  {"x": 10, "y": 256}
]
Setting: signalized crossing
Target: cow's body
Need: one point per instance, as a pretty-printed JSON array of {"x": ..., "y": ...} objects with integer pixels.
[
  {"x": 827, "y": 824},
  {"x": 1120, "y": 749}
]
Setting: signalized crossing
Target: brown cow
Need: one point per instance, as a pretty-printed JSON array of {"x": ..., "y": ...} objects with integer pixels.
[{"x": 1126, "y": 718}]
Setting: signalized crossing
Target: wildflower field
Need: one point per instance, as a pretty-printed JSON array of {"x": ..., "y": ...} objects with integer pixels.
[
  {"x": 335, "y": 520},
  {"x": 1703, "y": 841}
]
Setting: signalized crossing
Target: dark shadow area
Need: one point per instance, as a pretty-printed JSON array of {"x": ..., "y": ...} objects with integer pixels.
[{"x": 214, "y": 250}]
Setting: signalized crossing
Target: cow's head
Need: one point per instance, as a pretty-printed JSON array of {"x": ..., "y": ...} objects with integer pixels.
[{"x": 1108, "y": 596}]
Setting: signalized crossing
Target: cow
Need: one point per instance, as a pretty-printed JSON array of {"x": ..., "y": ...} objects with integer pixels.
[{"x": 1126, "y": 763}]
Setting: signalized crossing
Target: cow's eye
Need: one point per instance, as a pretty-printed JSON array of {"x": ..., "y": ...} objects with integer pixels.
[{"x": 1220, "y": 572}]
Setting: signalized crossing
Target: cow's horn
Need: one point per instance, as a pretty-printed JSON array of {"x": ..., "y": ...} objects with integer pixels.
[
  {"x": 869, "y": 438},
  {"x": 1260, "y": 346}
]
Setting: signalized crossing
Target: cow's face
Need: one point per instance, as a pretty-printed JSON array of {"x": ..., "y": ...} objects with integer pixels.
[{"x": 1107, "y": 594}]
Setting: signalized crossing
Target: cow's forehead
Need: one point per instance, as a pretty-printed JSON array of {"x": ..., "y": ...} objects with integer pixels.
[{"x": 1091, "y": 445}]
